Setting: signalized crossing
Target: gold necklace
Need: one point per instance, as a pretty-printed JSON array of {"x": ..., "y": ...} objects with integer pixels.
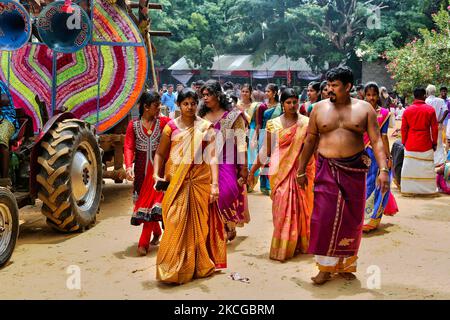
[
  {"x": 150, "y": 125},
  {"x": 290, "y": 124},
  {"x": 184, "y": 125},
  {"x": 218, "y": 118},
  {"x": 272, "y": 105},
  {"x": 246, "y": 104}
]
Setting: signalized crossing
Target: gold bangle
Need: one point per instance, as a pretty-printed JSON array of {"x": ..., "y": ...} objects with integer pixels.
[
  {"x": 384, "y": 170},
  {"x": 301, "y": 175}
]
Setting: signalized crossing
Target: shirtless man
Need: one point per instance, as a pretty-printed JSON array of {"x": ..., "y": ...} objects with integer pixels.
[{"x": 337, "y": 126}]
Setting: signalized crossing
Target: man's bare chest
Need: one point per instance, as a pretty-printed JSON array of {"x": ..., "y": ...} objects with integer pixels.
[{"x": 334, "y": 120}]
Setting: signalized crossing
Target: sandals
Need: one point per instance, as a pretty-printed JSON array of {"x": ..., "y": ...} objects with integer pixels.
[{"x": 368, "y": 228}]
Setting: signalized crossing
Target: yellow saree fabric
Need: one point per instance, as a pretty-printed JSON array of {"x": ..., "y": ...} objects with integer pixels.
[
  {"x": 292, "y": 205},
  {"x": 183, "y": 252}
]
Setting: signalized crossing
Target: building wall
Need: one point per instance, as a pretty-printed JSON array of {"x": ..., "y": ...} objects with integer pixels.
[{"x": 376, "y": 71}]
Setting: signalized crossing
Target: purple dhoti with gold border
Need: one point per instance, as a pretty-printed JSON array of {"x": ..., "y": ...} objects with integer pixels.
[{"x": 339, "y": 202}]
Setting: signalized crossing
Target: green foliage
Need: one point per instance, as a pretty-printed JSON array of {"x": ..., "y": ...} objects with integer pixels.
[
  {"x": 400, "y": 23},
  {"x": 199, "y": 29},
  {"x": 324, "y": 32},
  {"x": 424, "y": 60}
]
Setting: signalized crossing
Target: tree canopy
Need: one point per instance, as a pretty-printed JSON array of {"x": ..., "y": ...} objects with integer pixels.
[
  {"x": 321, "y": 31},
  {"x": 425, "y": 60}
]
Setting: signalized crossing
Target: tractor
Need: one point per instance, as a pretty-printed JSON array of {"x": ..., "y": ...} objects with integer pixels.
[{"x": 74, "y": 71}]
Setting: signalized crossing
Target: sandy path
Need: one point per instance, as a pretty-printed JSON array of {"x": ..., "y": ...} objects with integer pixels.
[{"x": 411, "y": 250}]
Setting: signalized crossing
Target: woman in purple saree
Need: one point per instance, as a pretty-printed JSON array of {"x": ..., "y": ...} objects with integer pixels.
[{"x": 230, "y": 125}]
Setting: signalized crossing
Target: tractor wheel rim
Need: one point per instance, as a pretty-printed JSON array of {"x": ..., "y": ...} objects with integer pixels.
[
  {"x": 84, "y": 176},
  {"x": 5, "y": 227}
]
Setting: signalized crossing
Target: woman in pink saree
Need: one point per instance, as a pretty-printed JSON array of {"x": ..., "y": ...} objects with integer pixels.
[{"x": 292, "y": 205}]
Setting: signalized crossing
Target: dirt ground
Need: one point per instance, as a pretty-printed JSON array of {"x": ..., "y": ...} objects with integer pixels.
[{"x": 410, "y": 251}]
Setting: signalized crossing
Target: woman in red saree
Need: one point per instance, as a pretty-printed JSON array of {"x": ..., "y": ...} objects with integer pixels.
[
  {"x": 141, "y": 141},
  {"x": 292, "y": 205},
  {"x": 194, "y": 243}
]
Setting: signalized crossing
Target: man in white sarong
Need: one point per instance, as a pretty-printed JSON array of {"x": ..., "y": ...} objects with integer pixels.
[{"x": 419, "y": 136}]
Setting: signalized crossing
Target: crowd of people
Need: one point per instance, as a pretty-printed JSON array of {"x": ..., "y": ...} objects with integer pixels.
[
  {"x": 323, "y": 157},
  {"x": 326, "y": 164}
]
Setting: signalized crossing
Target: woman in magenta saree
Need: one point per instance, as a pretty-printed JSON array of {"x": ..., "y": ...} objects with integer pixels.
[
  {"x": 233, "y": 199},
  {"x": 231, "y": 146}
]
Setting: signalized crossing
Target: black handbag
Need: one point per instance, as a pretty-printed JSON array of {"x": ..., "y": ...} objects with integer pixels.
[{"x": 162, "y": 185}]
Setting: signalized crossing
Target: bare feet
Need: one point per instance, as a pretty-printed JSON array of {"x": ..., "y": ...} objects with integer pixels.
[
  {"x": 142, "y": 251},
  {"x": 321, "y": 278},
  {"x": 230, "y": 229},
  {"x": 231, "y": 235},
  {"x": 347, "y": 276},
  {"x": 155, "y": 240}
]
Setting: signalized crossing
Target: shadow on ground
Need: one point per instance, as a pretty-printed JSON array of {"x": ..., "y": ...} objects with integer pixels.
[
  {"x": 131, "y": 252},
  {"x": 382, "y": 230},
  {"x": 336, "y": 288},
  {"x": 233, "y": 245},
  {"x": 34, "y": 229}
]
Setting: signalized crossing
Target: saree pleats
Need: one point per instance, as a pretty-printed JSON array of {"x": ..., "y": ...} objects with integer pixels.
[
  {"x": 183, "y": 253},
  {"x": 185, "y": 248}
]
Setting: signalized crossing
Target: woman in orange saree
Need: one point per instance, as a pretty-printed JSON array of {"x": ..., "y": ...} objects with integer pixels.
[
  {"x": 193, "y": 243},
  {"x": 292, "y": 205}
]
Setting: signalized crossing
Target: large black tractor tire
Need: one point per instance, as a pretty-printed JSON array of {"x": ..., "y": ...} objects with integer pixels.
[
  {"x": 9, "y": 225},
  {"x": 70, "y": 176}
]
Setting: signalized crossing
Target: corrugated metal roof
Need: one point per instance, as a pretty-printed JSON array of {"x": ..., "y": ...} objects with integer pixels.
[
  {"x": 284, "y": 64},
  {"x": 245, "y": 63}
]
